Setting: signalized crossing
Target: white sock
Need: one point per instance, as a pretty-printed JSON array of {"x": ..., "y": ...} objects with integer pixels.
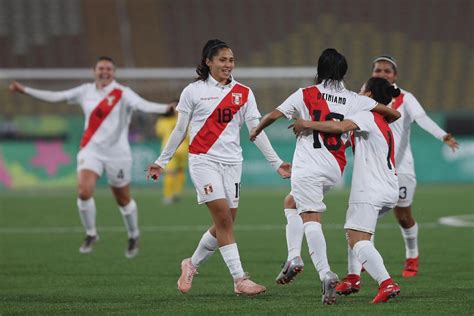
[
  {"x": 230, "y": 253},
  {"x": 87, "y": 214},
  {"x": 294, "y": 232},
  {"x": 353, "y": 264},
  {"x": 130, "y": 218},
  {"x": 205, "y": 249},
  {"x": 410, "y": 236},
  {"x": 317, "y": 247},
  {"x": 371, "y": 260}
]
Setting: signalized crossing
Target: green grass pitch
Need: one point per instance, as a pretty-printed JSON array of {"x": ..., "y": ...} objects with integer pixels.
[{"x": 42, "y": 272}]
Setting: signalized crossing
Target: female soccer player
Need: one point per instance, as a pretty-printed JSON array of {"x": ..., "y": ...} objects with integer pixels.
[
  {"x": 374, "y": 186},
  {"x": 108, "y": 108},
  {"x": 411, "y": 111},
  {"x": 319, "y": 158},
  {"x": 215, "y": 106}
]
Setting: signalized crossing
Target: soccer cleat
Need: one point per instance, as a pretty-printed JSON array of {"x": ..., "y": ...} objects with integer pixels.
[
  {"x": 132, "y": 249},
  {"x": 245, "y": 286},
  {"x": 411, "y": 267},
  {"x": 88, "y": 243},
  {"x": 387, "y": 290},
  {"x": 290, "y": 270},
  {"x": 349, "y": 285},
  {"x": 187, "y": 274},
  {"x": 328, "y": 288}
]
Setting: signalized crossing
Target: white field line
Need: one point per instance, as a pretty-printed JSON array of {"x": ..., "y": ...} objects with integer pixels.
[
  {"x": 174, "y": 228},
  {"x": 458, "y": 221}
]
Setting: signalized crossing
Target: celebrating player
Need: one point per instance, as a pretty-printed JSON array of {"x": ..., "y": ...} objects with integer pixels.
[
  {"x": 175, "y": 177},
  {"x": 215, "y": 106},
  {"x": 411, "y": 110},
  {"x": 319, "y": 160},
  {"x": 104, "y": 146},
  {"x": 374, "y": 186}
]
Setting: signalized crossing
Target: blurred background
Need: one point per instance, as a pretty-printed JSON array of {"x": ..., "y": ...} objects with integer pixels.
[{"x": 53, "y": 44}]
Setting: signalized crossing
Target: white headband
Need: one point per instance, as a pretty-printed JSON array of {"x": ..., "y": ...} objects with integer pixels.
[{"x": 385, "y": 58}]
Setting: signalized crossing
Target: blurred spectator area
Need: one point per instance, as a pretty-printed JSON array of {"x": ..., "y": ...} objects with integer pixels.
[{"x": 431, "y": 39}]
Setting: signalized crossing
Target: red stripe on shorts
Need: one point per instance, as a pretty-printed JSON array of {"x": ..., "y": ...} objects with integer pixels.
[
  {"x": 219, "y": 119},
  {"x": 99, "y": 114}
]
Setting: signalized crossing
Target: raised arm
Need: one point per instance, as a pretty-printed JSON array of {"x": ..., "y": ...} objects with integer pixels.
[
  {"x": 44, "y": 95},
  {"x": 263, "y": 144},
  {"x": 266, "y": 121},
  {"x": 332, "y": 127}
]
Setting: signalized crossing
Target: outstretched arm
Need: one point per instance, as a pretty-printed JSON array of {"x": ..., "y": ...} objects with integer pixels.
[
  {"x": 263, "y": 144},
  {"x": 44, "y": 95},
  {"x": 332, "y": 127},
  {"x": 431, "y": 127},
  {"x": 176, "y": 138},
  {"x": 389, "y": 114},
  {"x": 266, "y": 121}
]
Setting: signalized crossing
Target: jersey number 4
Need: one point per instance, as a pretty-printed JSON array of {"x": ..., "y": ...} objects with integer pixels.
[{"x": 331, "y": 141}]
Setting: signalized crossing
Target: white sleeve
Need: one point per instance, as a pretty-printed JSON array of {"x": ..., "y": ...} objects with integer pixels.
[
  {"x": 363, "y": 104},
  {"x": 251, "y": 109},
  {"x": 186, "y": 104},
  {"x": 263, "y": 144},
  {"x": 140, "y": 104},
  {"x": 71, "y": 95},
  {"x": 430, "y": 126},
  {"x": 176, "y": 138},
  {"x": 363, "y": 120},
  {"x": 413, "y": 107},
  {"x": 290, "y": 105}
]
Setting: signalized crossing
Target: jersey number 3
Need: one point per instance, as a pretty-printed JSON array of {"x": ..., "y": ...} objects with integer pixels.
[{"x": 331, "y": 141}]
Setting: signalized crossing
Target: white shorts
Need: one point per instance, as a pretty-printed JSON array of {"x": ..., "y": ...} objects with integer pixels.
[
  {"x": 309, "y": 194},
  {"x": 118, "y": 171},
  {"x": 363, "y": 217},
  {"x": 215, "y": 180},
  {"x": 407, "y": 186}
]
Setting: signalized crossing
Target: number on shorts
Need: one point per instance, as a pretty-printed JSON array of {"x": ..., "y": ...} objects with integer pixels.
[
  {"x": 224, "y": 115},
  {"x": 330, "y": 146},
  {"x": 237, "y": 190},
  {"x": 403, "y": 193},
  {"x": 120, "y": 174}
]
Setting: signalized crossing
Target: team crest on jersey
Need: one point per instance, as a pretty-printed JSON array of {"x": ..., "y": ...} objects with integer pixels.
[
  {"x": 110, "y": 100},
  {"x": 237, "y": 98},
  {"x": 208, "y": 189}
]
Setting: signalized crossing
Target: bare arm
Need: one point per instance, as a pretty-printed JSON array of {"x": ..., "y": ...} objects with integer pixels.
[
  {"x": 332, "y": 127},
  {"x": 389, "y": 114},
  {"x": 266, "y": 121}
]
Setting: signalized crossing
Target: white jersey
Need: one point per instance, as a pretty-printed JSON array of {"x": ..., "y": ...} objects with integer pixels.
[
  {"x": 374, "y": 178},
  {"x": 410, "y": 109},
  {"x": 318, "y": 153},
  {"x": 108, "y": 112},
  {"x": 217, "y": 112}
]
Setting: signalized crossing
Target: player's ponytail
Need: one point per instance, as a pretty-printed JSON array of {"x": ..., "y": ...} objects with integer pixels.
[
  {"x": 332, "y": 67},
  {"x": 382, "y": 91},
  {"x": 209, "y": 50}
]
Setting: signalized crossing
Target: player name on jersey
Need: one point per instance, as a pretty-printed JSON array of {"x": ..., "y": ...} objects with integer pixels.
[{"x": 331, "y": 98}]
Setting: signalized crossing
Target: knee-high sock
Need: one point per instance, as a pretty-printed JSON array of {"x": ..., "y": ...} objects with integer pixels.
[
  {"x": 205, "y": 249},
  {"x": 180, "y": 180},
  {"x": 353, "y": 264},
  {"x": 317, "y": 247},
  {"x": 230, "y": 253},
  {"x": 294, "y": 233},
  {"x": 410, "y": 236},
  {"x": 371, "y": 260},
  {"x": 87, "y": 214},
  {"x": 168, "y": 185},
  {"x": 130, "y": 218}
]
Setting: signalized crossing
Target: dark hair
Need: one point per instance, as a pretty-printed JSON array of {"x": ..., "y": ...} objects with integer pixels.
[
  {"x": 210, "y": 50},
  {"x": 386, "y": 58},
  {"x": 382, "y": 91},
  {"x": 106, "y": 58},
  {"x": 332, "y": 67}
]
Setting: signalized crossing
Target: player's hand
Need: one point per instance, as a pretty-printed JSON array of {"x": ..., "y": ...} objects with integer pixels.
[
  {"x": 285, "y": 170},
  {"x": 154, "y": 172},
  {"x": 449, "y": 140},
  {"x": 254, "y": 133},
  {"x": 171, "y": 110},
  {"x": 300, "y": 126},
  {"x": 15, "y": 86}
]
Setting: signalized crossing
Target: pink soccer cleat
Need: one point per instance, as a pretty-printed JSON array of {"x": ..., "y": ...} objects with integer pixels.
[
  {"x": 245, "y": 286},
  {"x": 187, "y": 274}
]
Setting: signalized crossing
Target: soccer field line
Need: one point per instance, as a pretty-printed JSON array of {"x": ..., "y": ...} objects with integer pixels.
[{"x": 175, "y": 228}]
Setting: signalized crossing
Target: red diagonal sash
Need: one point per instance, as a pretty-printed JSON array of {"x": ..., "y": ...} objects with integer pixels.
[
  {"x": 99, "y": 114},
  {"x": 387, "y": 134},
  {"x": 218, "y": 120},
  {"x": 397, "y": 102}
]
